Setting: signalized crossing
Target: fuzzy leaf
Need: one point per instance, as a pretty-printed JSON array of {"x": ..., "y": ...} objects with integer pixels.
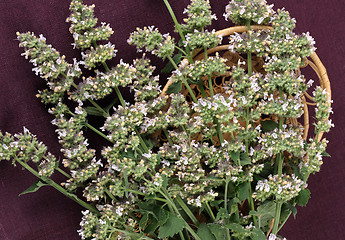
[
  {"x": 34, "y": 187},
  {"x": 268, "y": 125},
  {"x": 163, "y": 216},
  {"x": 172, "y": 226},
  {"x": 143, "y": 220},
  {"x": 94, "y": 111},
  {"x": 303, "y": 197},
  {"x": 235, "y": 156},
  {"x": 257, "y": 234},
  {"x": 204, "y": 232},
  {"x": 266, "y": 212},
  {"x": 243, "y": 191},
  {"x": 218, "y": 231},
  {"x": 175, "y": 87},
  {"x": 245, "y": 160}
]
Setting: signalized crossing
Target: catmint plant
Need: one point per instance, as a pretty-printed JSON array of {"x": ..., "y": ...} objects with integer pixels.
[{"x": 225, "y": 161}]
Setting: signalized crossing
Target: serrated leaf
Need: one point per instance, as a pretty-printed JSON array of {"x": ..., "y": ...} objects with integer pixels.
[
  {"x": 216, "y": 203},
  {"x": 163, "y": 216},
  {"x": 153, "y": 225},
  {"x": 34, "y": 187},
  {"x": 218, "y": 231},
  {"x": 291, "y": 208},
  {"x": 169, "y": 67},
  {"x": 303, "y": 197},
  {"x": 243, "y": 191},
  {"x": 268, "y": 126},
  {"x": 266, "y": 212},
  {"x": 235, "y": 156},
  {"x": 235, "y": 227},
  {"x": 143, "y": 220},
  {"x": 172, "y": 226},
  {"x": 94, "y": 111},
  {"x": 245, "y": 160},
  {"x": 222, "y": 214},
  {"x": 204, "y": 232},
  {"x": 257, "y": 234},
  {"x": 174, "y": 87}
]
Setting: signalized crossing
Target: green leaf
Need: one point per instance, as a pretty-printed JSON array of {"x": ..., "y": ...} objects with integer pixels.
[
  {"x": 204, "y": 232},
  {"x": 169, "y": 67},
  {"x": 245, "y": 160},
  {"x": 172, "y": 226},
  {"x": 216, "y": 203},
  {"x": 235, "y": 227},
  {"x": 222, "y": 214},
  {"x": 143, "y": 220},
  {"x": 163, "y": 216},
  {"x": 291, "y": 208},
  {"x": 268, "y": 125},
  {"x": 235, "y": 156},
  {"x": 153, "y": 225},
  {"x": 218, "y": 231},
  {"x": 243, "y": 191},
  {"x": 266, "y": 212},
  {"x": 34, "y": 187},
  {"x": 325, "y": 154},
  {"x": 94, "y": 111},
  {"x": 175, "y": 87},
  {"x": 303, "y": 197},
  {"x": 257, "y": 234}
]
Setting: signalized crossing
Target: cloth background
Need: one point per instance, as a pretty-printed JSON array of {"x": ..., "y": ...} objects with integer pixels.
[{"x": 47, "y": 214}]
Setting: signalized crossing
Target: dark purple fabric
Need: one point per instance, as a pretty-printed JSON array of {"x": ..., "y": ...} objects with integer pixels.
[{"x": 49, "y": 215}]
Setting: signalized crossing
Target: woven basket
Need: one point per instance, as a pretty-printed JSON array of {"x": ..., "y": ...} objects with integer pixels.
[{"x": 257, "y": 64}]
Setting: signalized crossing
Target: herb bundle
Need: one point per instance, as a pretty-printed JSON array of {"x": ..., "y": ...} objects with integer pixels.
[{"x": 196, "y": 160}]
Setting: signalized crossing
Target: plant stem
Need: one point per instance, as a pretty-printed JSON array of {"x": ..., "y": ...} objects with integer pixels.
[
  {"x": 92, "y": 102},
  {"x": 168, "y": 137},
  {"x": 172, "y": 204},
  {"x": 279, "y": 159},
  {"x": 178, "y": 27},
  {"x": 187, "y": 211},
  {"x": 202, "y": 90},
  {"x": 209, "y": 211},
  {"x": 110, "y": 194},
  {"x": 277, "y": 218},
  {"x": 57, "y": 187},
  {"x": 98, "y": 132},
  {"x": 226, "y": 204},
  {"x": 63, "y": 172},
  {"x": 184, "y": 81},
  {"x": 142, "y": 143}
]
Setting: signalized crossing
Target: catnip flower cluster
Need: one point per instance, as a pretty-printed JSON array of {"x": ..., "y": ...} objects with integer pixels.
[{"x": 199, "y": 155}]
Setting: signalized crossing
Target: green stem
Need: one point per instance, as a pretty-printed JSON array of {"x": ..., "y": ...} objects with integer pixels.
[
  {"x": 249, "y": 60},
  {"x": 178, "y": 27},
  {"x": 226, "y": 204},
  {"x": 184, "y": 81},
  {"x": 168, "y": 137},
  {"x": 57, "y": 187},
  {"x": 172, "y": 204},
  {"x": 63, "y": 172},
  {"x": 142, "y": 143},
  {"x": 98, "y": 132},
  {"x": 109, "y": 194},
  {"x": 252, "y": 206},
  {"x": 119, "y": 96},
  {"x": 209, "y": 211},
  {"x": 187, "y": 211},
  {"x": 277, "y": 218},
  {"x": 210, "y": 85},
  {"x": 202, "y": 90}
]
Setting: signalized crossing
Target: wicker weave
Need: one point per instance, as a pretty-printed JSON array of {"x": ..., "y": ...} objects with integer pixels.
[{"x": 257, "y": 64}]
